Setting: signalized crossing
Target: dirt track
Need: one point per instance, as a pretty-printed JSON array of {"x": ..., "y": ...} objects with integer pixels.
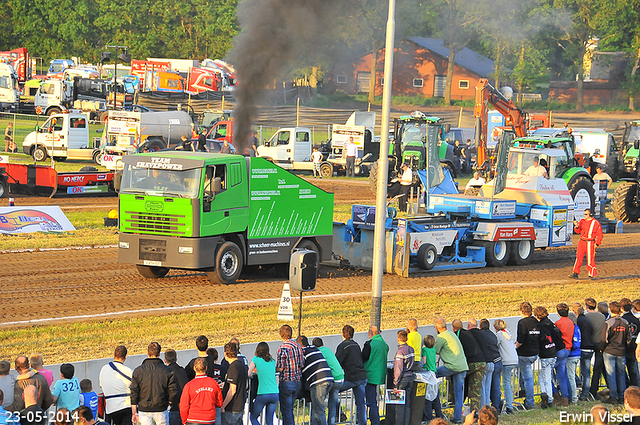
[{"x": 78, "y": 284}]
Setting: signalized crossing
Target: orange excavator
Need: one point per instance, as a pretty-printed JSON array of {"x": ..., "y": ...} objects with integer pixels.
[{"x": 517, "y": 120}]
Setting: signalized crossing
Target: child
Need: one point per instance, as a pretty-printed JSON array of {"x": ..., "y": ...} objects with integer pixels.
[
  {"x": 429, "y": 363},
  {"x": 37, "y": 362},
  {"x": 316, "y": 156},
  {"x": 88, "y": 397},
  {"x": 66, "y": 391}
]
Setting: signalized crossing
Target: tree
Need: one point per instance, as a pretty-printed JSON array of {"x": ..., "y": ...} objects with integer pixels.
[
  {"x": 581, "y": 34},
  {"x": 618, "y": 22}
]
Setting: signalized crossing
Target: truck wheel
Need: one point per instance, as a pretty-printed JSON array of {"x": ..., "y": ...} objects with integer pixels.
[
  {"x": 311, "y": 246},
  {"x": 326, "y": 170},
  {"x": 3, "y": 188},
  {"x": 39, "y": 153},
  {"x": 521, "y": 253},
  {"x": 228, "y": 264},
  {"x": 103, "y": 116},
  {"x": 497, "y": 253},
  {"x": 97, "y": 157},
  {"x": 152, "y": 272},
  {"x": 583, "y": 194},
  {"x": 53, "y": 110},
  {"x": 153, "y": 145},
  {"x": 427, "y": 256},
  {"x": 626, "y": 203}
]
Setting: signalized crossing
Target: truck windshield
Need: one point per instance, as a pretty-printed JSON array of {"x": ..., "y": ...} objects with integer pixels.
[{"x": 182, "y": 184}]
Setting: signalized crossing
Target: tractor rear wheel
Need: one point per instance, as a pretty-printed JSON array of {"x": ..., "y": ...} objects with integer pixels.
[
  {"x": 626, "y": 202},
  {"x": 583, "y": 194}
]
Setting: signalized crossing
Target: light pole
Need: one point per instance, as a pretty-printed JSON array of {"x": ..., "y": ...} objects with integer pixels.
[
  {"x": 124, "y": 57},
  {"x": 383, "y": 167}
]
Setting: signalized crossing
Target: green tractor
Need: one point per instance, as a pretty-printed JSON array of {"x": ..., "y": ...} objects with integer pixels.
[
  {"x": 409, "y": 144},
  {"x": 626, "y": 199},
  {"x": 566, "y": 166}
]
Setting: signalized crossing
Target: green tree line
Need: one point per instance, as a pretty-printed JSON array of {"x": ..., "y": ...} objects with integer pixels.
[{"x": 531, "y": 41}]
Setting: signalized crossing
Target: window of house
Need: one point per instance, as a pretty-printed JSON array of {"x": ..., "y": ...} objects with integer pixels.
[
  {"x": 341, "y": 79},
  {"x": 463, "y": 84},
  {"x": 418, "y": 82}
]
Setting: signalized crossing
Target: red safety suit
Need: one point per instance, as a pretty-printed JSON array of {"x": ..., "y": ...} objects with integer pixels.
[{"x": 590, "y": 237}]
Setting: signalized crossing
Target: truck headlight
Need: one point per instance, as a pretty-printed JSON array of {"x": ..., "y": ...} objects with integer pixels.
[
  {"x": 124, "y": 245},
  {"x": 185, "y": 250}
]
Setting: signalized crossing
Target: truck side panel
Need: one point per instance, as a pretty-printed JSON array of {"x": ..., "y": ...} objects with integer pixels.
[{"x": 282, "y": 209}]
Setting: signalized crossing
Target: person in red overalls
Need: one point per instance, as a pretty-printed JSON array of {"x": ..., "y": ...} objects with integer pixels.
[{"x": 590, "y": 238}]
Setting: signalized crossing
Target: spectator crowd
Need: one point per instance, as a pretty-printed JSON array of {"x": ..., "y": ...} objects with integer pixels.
[{"x": 587, "y": 343}]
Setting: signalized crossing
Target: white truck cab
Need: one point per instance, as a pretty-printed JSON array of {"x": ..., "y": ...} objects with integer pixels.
[
  {"x": 53, "y": 96},
  {"x": 62, "y": 136},
  {"x": 9, "y": 92},
  {"x": 289, "y": 148}
]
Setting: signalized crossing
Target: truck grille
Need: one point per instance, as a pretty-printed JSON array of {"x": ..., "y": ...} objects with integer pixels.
[
  {"x": 153, "y": 250},
  {"x": 166, "y": 224}
]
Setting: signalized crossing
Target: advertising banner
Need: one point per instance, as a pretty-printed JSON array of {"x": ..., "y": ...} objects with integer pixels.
[{"x": 14, "y": 220}]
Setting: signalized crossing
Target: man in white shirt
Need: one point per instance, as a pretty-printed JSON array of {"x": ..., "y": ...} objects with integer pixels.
[
  {"x": 475, "y": 181},
  {"x": 115, "y": 380},
  {"x": 601, "y": 175},
  {"x": 536, "y": 170},
  {"x": 352, "y": 153}
]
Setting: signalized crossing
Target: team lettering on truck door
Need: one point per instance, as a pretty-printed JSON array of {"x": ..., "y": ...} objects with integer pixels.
[{"x": 217, "y": 213}]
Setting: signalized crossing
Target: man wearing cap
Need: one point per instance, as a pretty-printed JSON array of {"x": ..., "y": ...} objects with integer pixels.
[{"x": 405, "y": 186}]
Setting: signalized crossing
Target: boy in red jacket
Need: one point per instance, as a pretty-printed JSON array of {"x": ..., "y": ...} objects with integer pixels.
[{"x": 200, "y": 396}]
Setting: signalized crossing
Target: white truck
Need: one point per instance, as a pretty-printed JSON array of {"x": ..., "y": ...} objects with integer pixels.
[
  {"x": 62, "y": 136},
  {"x": 132, "y": 132},
  {"x": 54, "y": 96},
  {"x": 9, "y": 92},
  {"x": 289, "y": 148},
  {"x": 360, "y": 126}
]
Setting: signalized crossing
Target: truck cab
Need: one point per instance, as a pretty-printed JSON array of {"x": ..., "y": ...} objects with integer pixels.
[
  {"x": 62, "y": 136},
  {"x": 53, "y": 96},
  {"x": 290, "y": 148},
  {"x": 9, "y": 92}
]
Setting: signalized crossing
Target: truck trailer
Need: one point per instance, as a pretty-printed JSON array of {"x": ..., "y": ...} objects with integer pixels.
[{"x": 217, "y": 213}]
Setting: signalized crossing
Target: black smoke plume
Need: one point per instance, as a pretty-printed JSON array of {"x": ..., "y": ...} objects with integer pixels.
[{"x": 275, "y": 36}]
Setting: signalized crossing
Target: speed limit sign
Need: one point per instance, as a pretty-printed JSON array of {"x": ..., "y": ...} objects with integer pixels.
[{"x": 39, "y": 110}]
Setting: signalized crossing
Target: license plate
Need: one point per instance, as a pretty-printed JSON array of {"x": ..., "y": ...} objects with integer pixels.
[{"x": 152, "y": 263}]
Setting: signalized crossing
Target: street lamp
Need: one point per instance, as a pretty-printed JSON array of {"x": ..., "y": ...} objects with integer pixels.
[{"x": 124, "y": 57}]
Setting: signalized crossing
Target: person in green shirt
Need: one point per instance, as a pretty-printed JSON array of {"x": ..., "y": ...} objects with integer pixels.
[
  {"x": 449, "y": 348},
  {"x": 429, "y": 363},
  {"x": 374, "y": 355}
]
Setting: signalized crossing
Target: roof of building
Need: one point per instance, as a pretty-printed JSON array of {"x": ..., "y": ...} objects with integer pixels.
[{"x": 466, "y": 58}]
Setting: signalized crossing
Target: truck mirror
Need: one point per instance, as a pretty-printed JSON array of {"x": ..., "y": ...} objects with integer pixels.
[
  {"x": 217, "y": 185},
  {"x": 636, "y": 144},
  {"x": 447, "y": 128}
]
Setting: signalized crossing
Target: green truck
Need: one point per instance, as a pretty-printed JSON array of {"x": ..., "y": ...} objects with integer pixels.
[{"x": 217, "y": 213}]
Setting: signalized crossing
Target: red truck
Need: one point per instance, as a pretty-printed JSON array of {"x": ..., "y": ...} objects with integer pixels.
[{"x": 19, "y": 60}]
